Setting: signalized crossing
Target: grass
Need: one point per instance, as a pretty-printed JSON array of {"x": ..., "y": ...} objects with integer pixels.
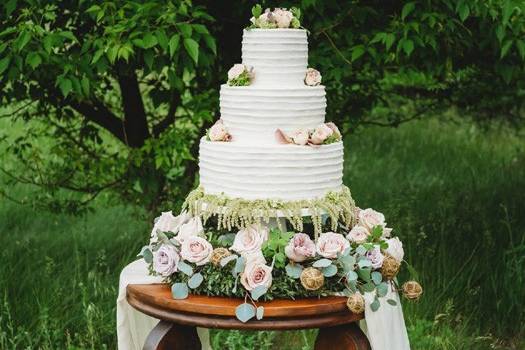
[{"x": 455, "y": 195}]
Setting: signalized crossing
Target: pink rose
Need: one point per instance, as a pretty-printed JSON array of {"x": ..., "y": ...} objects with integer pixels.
[
  {"x": 313, "y": 77},
  {"x": 300, "y": 137},
  {"x": 370, "y": 218},
  {"x": 320, "y": 134},
  {"x": 255, "y": 275},
  {"x": 191, "y": 228},
  {"x": 236, "y": 71},
  {"x": 166, "y": 260},
  {"x": 218, "y": 132},
  {"x": 375, "y": 257},
  {"x": 300, "y": 248},
  {"x": 330, "y": 244},
  {"x": 395, "y": 249},
  {"x": 196, "y": 250},
  {"x": 250, "y": 239},
  {"x": 358, "y": 234},
  {"x": 282, "y": 17}
]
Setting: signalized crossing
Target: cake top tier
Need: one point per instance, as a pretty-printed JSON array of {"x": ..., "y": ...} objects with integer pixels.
[{"x": 279, "y": 57}]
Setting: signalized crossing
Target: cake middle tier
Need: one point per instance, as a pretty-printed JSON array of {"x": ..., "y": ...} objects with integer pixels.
[
  {"x": 254, "y": 113},
  {"x": 286, "y": 172}
]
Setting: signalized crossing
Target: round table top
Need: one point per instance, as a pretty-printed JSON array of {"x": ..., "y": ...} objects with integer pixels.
[{"x": 219, "y": 312}]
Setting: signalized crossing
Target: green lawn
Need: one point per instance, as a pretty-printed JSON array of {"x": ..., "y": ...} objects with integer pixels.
[{"x": 453, "y": 193}]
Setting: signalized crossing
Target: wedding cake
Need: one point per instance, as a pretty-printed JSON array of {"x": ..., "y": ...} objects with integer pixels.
[{"x": 272, "y": 157}]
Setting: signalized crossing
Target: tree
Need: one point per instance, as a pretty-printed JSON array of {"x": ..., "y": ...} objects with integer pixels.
[{"x": 115, "y": 95}]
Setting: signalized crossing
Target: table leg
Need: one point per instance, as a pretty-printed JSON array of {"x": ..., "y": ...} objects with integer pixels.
[
  {"x": 344, "y": 337},
  {"x": 170, "y": 336}
]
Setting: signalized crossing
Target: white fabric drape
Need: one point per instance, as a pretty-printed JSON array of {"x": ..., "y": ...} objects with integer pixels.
[{"x": 385, "y": 328}]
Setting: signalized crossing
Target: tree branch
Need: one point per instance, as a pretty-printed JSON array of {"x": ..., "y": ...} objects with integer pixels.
[
  {"x": 170, "y": 117},
  {"x": 101, "y": 115}
]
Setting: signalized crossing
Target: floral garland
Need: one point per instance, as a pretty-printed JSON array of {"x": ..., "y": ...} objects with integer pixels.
[
  {"x": 258, "y": 263},
  {"x": 240, "y": 213}
]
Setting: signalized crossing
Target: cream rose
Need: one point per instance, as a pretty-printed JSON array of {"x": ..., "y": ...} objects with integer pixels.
[
  {"x": 330, "y": 244},
  {"x": 300, "y": 248},
  {"x": 395, "y": 249},
  {"x": 370, "y": 218},
  {"x": 166, "y": 260},
  {"x": 320, "y": 134},
  {"x": 254, "y": 257},
  {"x": 250, "y": 239},
  {"x": 192, "y": 228},
  {"x": 300, "y": 137},
  {"x": 218, "y": 132},
  {"x": 282, "y": 17},
  {"x": 255, "y": 275},
  {"x": 313, "y": 77},
  {"x": 196, "y": 250},
  {"x": 358, "y": 234},
  {"x": 236, "y": 71}
]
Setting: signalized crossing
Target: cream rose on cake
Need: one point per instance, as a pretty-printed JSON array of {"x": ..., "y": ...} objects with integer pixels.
[
  {"x": 300, "y": 248},
  {"x": 250, "y": 239},
  {"x": 218, "y": 132},
  {"x": 282, "y": 17},
  {"x": 358, "y": 234},
  {"x": 256, "y": 274},
  {"x": 240, "y": 75},
  {"x": 166, "y": 260},
  {"x": 330, "y": 244},
  {"x": 313, "y": 77},
  {"x": 321, "y": 134}
]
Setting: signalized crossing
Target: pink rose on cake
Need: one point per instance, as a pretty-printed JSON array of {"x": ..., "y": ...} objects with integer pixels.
[
  {"x": 300, "y": 248},
  {"x": 240, "y": 75},
  {"x": 191, "y": 228},
  {"x": 375, "y": 257},
  {"x": 313, "y": 77},
  {"x": 282, "y": 17},
  {"x": 395, "y": 249},
  {"x": 321, "y": 134},
  {"x": 236, "y": 71},
  {"x": 256, "y": 274},
  {"x": 218, "y": 132},
  {"x": 166, "y": 260},
  {"x": 330, "y": 244},
  {"x": 300, "y": 137},
  {"x": 196, "y": 250},
  {"x": 250, "y": 239},
  {"x": 358, "y": 234}
]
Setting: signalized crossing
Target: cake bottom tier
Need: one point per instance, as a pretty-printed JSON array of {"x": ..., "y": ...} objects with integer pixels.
[{"x": 270, "y": 171}]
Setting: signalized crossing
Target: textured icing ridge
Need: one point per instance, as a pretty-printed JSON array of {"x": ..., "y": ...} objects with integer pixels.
[
  {"x": 252, "y": 113},
  {"x": 279, "y": 56},
  {"x": 286, "y": 172}
]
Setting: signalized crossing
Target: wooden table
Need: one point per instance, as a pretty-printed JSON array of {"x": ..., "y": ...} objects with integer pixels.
[{"x": 176, "y": 330}]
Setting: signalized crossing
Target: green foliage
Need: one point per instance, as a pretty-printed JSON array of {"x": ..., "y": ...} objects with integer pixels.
[{"x": 274, "y": 247}]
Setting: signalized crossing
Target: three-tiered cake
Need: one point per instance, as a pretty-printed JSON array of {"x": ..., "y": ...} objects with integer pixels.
[{"x": 254, "y": 165}]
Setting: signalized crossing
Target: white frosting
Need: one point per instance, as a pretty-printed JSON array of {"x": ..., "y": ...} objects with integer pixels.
[
  {"x": 254, "y": 113},
  {"x": 279, "y": 56},
  {"x": 287, "y": 172}
]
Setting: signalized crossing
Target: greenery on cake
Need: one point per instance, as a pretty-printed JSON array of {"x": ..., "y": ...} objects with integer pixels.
[
  {"x": 240, "y": 75},
  {"x": 256, "y": 263},
  {"x": 278, "y": 18},
  {"x": 335, "y": 206}
]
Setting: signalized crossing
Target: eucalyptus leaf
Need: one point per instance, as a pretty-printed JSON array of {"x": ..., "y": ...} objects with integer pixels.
[
  {"x": 361, "y": 250},
  {"x": 364, "y": 263},
  {"x": 179, "y": 291},
  {"x": 392, "y": 302},
  {"x": 369, "y": 287},
  {"x": 185, "y": 268},
  {"x": 322, "y": 263},
  {"x": 382, "y": 289},
  {"x": 195, "y": 280},
  {"x": 364, "y": 274},
  {"x": 228, "y": 259},
  {"x": 329, "y": 271},
  {"x": 146, "y": 254},
  {"x": 294, "y": 270},
  {"x": 352, "y": 276},
  {"x": 260, "y": 313},
  {"x": 375, "y": 305},
  {"x": 245, "y": 312},
  {"x": 239, "y": 265},
  {"x": 258, "y": 292},
  {"x": 377, "y": 277}
]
